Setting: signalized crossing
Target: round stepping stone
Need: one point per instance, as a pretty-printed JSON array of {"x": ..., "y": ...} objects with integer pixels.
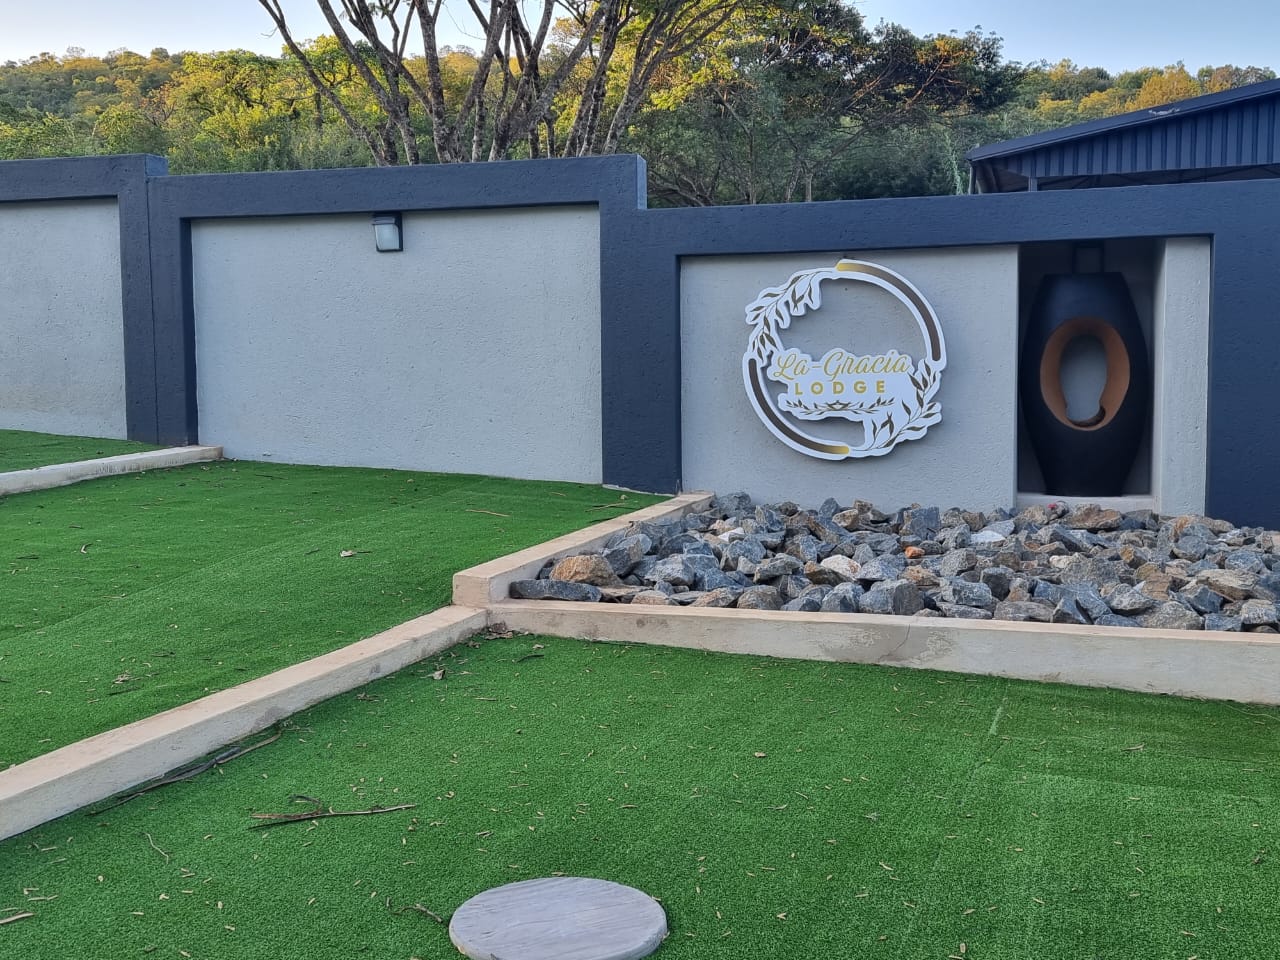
[{"x": 559, "y": 918}]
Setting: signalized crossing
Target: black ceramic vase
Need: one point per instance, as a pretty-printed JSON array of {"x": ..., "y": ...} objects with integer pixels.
[{"x": 1089, "y": 457}]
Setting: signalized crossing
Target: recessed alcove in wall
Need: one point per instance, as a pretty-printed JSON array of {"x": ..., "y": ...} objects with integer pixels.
[{"x": 1167, "y": 280}]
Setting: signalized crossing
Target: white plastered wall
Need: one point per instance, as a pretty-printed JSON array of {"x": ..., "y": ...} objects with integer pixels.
[
  {"x": 475, "y": 350},
  {"x": 969, "y": 459},
  {"x": 61, "y": 322},
  {"x": 1179, "y": 441}
]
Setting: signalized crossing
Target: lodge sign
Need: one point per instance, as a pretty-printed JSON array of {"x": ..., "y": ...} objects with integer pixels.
[{"x": 890, "y": 394}]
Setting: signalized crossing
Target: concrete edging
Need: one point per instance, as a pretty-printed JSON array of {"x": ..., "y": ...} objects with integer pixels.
[
  {"x": 91, "y": 770},
  {"x": 1187, "y": 663},
  {"x": 1204, "y": 664},
  {"x": 62, "y": 474},
  {"x": 487, "y": 583}
]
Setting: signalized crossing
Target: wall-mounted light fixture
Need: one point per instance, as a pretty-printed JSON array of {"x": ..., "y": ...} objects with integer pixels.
[{"x": 387, "y": 235}]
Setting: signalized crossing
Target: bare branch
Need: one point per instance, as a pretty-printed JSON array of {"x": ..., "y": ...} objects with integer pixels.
[{"x": 324, "y": 88}]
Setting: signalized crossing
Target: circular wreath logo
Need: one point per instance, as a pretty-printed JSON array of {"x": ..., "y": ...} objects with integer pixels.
[{"x": 889, "y": 394}]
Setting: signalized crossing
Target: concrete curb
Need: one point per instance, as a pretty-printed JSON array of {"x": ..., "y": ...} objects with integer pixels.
[
  {"x": 62, "y": 474},
  {"x": 487, "y": 583},
  {"x": 90, "y": 770},
  {"x": 93, "y": 769},
  {"x": 1186, "y": 663},
  {"x": 1228, "y": 666}
]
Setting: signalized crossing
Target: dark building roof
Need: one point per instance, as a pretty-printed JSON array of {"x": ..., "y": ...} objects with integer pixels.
[{"x": 1233, "y": 135}]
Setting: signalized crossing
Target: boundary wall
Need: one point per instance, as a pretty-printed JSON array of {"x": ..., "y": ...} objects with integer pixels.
[
  {"x": 643, "y": 256},
  {"x": 57, "y": 326}
]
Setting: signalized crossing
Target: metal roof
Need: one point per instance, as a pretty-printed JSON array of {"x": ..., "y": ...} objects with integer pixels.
[{"x": 1220, "y": 136}]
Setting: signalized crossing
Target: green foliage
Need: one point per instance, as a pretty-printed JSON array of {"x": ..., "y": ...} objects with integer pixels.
[
  {"x": 205, "y": 112},
  {"x": 1063, "y": 94},
  {"x": 32, "y": 134},
  {"x": 789, "y": 100},
  {"x": 801, "y": 96}
]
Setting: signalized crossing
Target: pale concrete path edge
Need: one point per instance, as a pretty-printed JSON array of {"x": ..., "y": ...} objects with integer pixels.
[
  {"x": 91, "y": 770},
  {"x": 62, "y": 474},
  {"x": 1228, "y": 666},
  {"x": 1188, "y": 663},
  {"x": 1200, "y": 664},
  {"x": 487, "y": 583}
]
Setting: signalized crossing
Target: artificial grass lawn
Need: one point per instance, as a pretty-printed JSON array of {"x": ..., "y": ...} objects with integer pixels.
[
  {"x": 126, "y": 596},
  {"x": 20, "y": 450},
  {"x": 779, "y": 809}
]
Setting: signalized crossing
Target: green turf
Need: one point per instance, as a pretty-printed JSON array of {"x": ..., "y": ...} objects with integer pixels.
[
  {"x": 126, "y": 596},
  {"x": 20, "y": 450},
  {"x": 778, "y": 809}
]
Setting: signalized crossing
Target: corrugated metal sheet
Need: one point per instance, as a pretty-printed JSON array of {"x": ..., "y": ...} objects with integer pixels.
[{"x": 1238, "y": 131}]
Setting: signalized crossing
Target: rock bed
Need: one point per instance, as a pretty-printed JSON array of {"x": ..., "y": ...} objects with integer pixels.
[{"x": 1048, "y": 564}]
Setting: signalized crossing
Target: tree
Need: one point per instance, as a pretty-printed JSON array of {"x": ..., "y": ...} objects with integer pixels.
[
  {"x": 26, "y": 134},
  {"x": 1228, "y": 77},
  {"x": 780, "y": 108},
  {"x": 1169, "y": 85},
  {"x": 521, "y": 70}
]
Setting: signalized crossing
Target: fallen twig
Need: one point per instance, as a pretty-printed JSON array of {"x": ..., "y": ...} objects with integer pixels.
[
  {"x": 489, "y": 512},
  {"x": 528, "y": 656},
  {"x": 186, "y": 773},
  {"x": 16, "y": 916},
  {"x": 155, "y": 848},
  {"x": 319, "y": 813},
  {"x": 417, "y": 908}
]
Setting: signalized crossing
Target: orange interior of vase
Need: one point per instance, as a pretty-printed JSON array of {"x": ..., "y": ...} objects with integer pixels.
[{"x": 1117, "y": 385}]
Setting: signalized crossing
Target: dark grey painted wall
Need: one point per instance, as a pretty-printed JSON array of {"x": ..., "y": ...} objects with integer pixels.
[
  {"x": 640, "y": 252},
  {"x": 615, "y": 184},
  {"x": 1244, "y": 457}
]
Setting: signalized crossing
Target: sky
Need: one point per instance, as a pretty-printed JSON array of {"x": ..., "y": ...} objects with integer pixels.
[{"x": 1114, "y": 34}]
